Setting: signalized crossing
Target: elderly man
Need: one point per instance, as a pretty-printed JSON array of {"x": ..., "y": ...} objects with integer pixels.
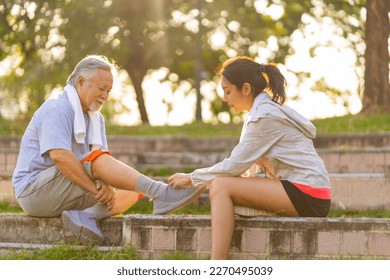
[{"x": 64, "y": 166}]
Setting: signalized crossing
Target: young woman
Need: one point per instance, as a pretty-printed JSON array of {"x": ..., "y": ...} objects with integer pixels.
[{"x": 275, "y": 139}]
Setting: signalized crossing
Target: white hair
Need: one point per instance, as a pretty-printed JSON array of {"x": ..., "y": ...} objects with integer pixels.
[{"x": 88, "y": 67}]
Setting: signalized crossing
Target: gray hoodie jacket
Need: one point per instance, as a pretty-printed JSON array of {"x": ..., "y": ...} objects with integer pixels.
[{"x": 276, "y": 139}]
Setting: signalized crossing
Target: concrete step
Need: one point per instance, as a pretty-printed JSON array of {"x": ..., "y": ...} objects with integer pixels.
[
  {"x": 364, "y": 160},
  {"x": 6, "y": 189},
  {"x": 360, "y": 191},
  {"x": 266, "y": 237},
  {"x": 180, "y": 143},
  {"x": 202, "y": 144},
  {"x": 49, "y": 230},
  {"x": 8, "y": 158}
]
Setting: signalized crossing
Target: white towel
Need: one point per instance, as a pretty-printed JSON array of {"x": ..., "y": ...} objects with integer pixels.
[{"x": 94, "y": 136}]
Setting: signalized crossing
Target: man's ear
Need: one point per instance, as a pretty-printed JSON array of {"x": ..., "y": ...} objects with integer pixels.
[{"x": 80, "y": 81}]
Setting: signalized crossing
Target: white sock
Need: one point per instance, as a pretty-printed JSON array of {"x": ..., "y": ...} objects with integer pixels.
[
  {"x": 150, "y": 187},
  {"x": 99, "y": 210}
]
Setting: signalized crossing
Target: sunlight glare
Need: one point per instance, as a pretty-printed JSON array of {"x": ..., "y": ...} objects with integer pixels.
[
  {"x": 275, "y": 11},
  {"x": 218, "y": 40}
]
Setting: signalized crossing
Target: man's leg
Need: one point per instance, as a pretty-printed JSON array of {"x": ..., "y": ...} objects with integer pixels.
[
  {"x": 123, "y": 201},
  {"x": 84, "y": 223},
  {"x": 121, "y": 176},
  {"x": 52, "y": 193}
]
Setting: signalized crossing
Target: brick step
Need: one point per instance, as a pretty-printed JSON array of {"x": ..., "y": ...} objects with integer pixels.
[
  {"x": 364, "y": 160},
  {"x": 49, "y": 230},
  {"x": 267, "y": 237},
  {"x": 349, "y": 191},
  {"x": 181, "y": 143},
  {"x": 370, "y": 160}
]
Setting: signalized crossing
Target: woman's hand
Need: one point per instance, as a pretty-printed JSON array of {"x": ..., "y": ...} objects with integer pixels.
[{"x": 180, "y": 180}]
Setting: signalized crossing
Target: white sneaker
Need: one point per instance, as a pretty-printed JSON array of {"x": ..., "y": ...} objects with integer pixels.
[
  {"x": 84, "y": 226},
  {"x": 172, "y": 199}
]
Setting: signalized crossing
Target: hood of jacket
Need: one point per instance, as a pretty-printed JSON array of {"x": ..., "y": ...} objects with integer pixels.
[{"x": 264, "y": 107}]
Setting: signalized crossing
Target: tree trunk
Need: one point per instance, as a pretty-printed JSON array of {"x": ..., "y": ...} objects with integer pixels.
[
  {"x": 135, "y": 68},
  {"x": 137, "y": 77},
  {"x": 376, "y": 96}
]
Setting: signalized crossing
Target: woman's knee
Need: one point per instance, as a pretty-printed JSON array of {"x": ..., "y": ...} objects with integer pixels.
[{"x": 218, "y": 187}]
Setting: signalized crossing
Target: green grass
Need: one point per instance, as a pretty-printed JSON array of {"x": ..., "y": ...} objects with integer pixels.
[
  {"x": 69, "y": 252},
  {"x": 144, "y": 206},
  {"x": 346, "y": 124},
  {"x": 163, "y": 172},
  {"x": 9, "y": 209},
  {"x": 196, "y": 129},
  {"x": 370, "y": 213},
  {"x": 354, "y": 124}
]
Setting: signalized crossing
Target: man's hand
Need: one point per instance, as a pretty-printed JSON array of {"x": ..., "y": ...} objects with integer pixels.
[
  {"x": 106, "y": 194},
  {"x": 180, "y": 180}
]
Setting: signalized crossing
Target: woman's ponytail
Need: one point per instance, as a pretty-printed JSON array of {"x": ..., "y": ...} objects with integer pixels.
[
  {"x": 276, "y": 83},
  {"x": 262, "y": 77}
]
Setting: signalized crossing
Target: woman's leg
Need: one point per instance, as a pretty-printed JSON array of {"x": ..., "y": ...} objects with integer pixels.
[{"x": 259, "y": 193}]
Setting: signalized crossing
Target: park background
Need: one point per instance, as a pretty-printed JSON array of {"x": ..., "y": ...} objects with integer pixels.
[{"x": 333, "y": 53}]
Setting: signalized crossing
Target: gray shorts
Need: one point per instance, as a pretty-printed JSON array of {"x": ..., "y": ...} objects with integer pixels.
[{"x": 52, "y": 193}]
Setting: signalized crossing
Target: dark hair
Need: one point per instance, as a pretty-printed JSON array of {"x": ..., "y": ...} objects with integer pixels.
[{"x": 262, "y": 77}]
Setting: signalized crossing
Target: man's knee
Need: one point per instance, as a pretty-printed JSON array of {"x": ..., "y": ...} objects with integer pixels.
[{"x": 97, "y": 163}]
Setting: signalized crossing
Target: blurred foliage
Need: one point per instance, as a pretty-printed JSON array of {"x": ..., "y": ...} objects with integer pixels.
[{"x": 43, "y": 40}]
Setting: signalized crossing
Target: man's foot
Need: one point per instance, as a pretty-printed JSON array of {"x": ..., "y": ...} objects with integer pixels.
[
  {"x": 170, "y": 199},
  {"x": 84, "y": 226}
]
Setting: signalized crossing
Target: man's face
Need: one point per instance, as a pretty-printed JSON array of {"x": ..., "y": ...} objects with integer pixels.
[{"x": 95, "y": 91}]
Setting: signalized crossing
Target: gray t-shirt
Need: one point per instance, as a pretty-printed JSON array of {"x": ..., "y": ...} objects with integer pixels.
[{"x": 50, "y": 128}]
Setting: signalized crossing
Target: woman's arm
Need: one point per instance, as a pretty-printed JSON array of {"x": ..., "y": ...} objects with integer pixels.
[{"x": 258, "y": 138}]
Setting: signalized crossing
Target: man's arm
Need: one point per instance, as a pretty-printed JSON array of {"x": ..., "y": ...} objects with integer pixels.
[{"x": 70, "y": 166}]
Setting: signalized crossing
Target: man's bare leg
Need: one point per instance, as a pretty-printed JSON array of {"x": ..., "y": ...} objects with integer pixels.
[{"x": 121, "y": 176}]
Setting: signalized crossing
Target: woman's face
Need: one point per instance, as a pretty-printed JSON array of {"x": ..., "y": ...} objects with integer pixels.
[{"x": 239, "y": 100}]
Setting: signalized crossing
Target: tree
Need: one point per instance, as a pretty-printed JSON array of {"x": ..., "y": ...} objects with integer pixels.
[
  {"x": 376, "y": 95},
  {"x": 28, "y": 32},
  {"x": 140, "y": 36},
  {"x": 368, "y": 37},
  {"x": 47, "y": 38}
]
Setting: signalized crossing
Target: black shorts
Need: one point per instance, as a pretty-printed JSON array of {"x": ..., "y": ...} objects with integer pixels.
[{"x": 306, "y": 205}]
